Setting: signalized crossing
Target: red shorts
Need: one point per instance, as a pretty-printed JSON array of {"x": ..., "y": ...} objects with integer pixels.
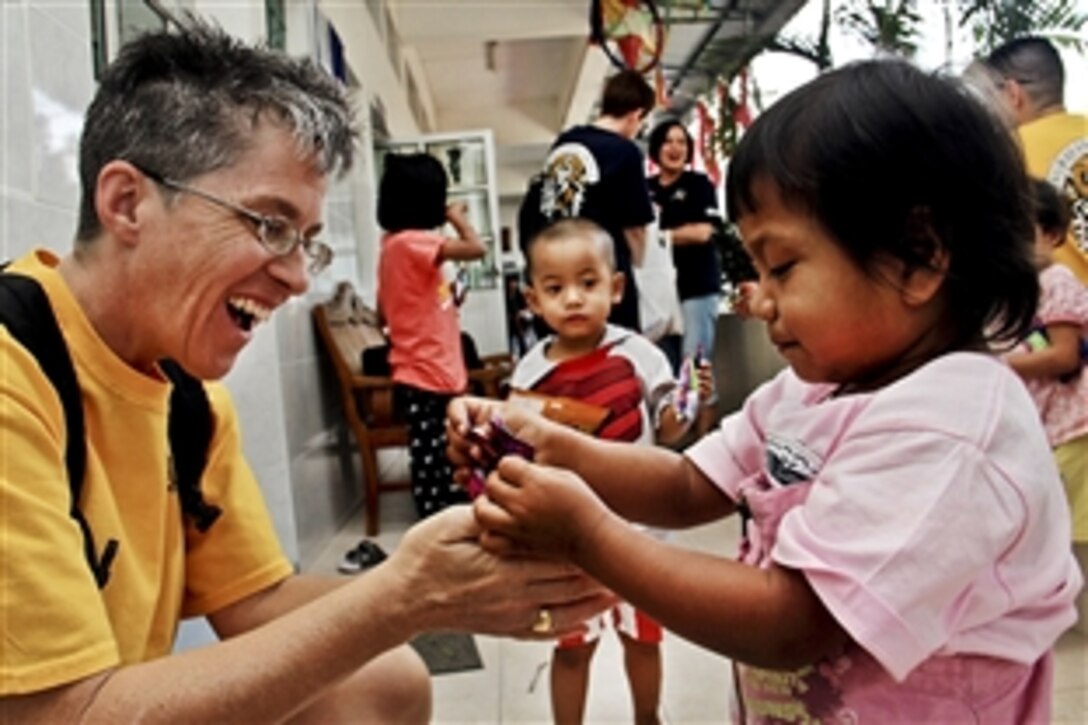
[{"x": 625, "y": 618}]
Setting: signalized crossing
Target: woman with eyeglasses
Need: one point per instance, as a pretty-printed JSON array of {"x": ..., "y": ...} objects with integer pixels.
[{"x": 204, "y": 165}]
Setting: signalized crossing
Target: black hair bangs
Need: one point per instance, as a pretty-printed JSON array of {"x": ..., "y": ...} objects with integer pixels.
[{"x": 412, "y": 193}]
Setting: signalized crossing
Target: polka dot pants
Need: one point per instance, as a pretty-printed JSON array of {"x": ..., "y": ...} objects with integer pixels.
[{"x": 433, "y": 487}]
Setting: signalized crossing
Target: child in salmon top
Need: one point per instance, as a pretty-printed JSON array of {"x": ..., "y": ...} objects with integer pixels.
[{"x": 419, "y": 303}]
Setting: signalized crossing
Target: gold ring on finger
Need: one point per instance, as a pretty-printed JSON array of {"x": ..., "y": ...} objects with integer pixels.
[{"x": 543, "y": 623}]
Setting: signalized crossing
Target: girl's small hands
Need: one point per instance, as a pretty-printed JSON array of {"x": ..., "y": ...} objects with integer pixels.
[
  {"x": 534, "y": 430},
  {"x": 467, "y": 418},
  {"x": 537, "y": 510}
]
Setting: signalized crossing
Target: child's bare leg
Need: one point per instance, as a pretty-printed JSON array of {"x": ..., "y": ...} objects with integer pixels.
[
  {"x": 570, "y": 682},
  {"x": 643, "y": 664}
]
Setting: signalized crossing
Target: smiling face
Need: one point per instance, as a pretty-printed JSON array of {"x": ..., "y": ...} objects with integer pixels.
[
  {"x": 828, "y": 318},
  {"x": 203, "y": 278},
  {"x": 673, "y": 156},
  {"x": 573, "y": 287}
]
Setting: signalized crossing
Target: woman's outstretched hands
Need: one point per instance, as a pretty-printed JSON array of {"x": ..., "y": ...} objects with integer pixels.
[{"x": 454, "y": 584}]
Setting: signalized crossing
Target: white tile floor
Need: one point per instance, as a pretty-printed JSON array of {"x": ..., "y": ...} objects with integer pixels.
[{"x": 512, "y": 687}]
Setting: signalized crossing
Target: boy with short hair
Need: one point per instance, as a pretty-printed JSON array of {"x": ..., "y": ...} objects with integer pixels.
[{"x": 573, "y": 284}]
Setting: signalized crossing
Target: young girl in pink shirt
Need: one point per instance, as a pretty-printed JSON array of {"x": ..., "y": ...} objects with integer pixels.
[{"x": 905, "y": 552}]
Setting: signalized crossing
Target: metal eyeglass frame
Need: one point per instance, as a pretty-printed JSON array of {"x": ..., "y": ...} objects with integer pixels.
[{"x": 275, "y": 234}]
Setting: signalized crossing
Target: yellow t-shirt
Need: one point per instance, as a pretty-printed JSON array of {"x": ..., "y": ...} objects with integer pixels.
[
  {"x": 56, "y": 625},
  {"x": 1056, "y": 149}
]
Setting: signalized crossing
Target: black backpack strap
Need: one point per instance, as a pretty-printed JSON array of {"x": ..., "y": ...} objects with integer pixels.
[
  {"x": 26, "y": 312},
  {"x": 190, "y": 431}
]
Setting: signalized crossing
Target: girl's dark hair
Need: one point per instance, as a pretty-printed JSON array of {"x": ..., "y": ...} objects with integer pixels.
[
  {"x": 896, "y": 163},
  {"x": 412, "y": 193},
  {"x": 1052, "y": 212},
  {"x": 661, "y": 132}
]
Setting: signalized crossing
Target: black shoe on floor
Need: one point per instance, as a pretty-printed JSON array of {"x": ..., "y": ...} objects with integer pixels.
[{"x": 362, "y": 556}]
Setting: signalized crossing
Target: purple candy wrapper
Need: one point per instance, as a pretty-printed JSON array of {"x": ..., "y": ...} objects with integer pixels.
[
  {"x": 501, "y": 442},
  {"x": 687, "y": 388}
]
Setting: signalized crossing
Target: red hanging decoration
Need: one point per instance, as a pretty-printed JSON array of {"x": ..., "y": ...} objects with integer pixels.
[
  {"x": 742, "y": 115},
  {"x": 706, "y": 143},
  {"x": 630, "y": 47},
  {"x": 630, "y": 32}
]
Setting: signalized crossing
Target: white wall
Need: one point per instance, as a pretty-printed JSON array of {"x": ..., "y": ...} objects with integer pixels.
[
  {"x": 45, "y": 84},
  {"x": 365, "y": 53}
]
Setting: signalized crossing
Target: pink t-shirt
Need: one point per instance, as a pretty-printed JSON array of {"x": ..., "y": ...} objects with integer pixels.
[
  {"x": 930, "y": 520},
  {"x": 417, "y": 302},
  {"x": 1063, "y": 405}
]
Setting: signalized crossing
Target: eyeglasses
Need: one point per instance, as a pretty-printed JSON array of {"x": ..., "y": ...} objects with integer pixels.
[{"x": 275, "y": 233}]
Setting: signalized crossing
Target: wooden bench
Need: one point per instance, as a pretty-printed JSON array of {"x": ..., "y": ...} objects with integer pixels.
[{"x": 346, "y": 327}]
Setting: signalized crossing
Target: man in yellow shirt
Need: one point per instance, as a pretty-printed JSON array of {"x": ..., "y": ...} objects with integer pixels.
[
  {"x": 1031, "y": 80},
  {"x": 204, "y": 165}
]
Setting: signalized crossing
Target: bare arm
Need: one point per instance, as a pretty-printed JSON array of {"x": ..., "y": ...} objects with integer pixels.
[
  {"x": 770, "y": 618},
  {"x": 272, "y": 603},
  {"x": 291, "y": 643},
  {"x": 647, "y": 484},
  {"x": 694, "y": 233},
  {"x": 1060, "y": 357},
  {"x": 468, "y": 245},
  {"x": 264, "y": 675},
  {"x": 636, "y": 242},
  {"x": 767, "y": 617}
]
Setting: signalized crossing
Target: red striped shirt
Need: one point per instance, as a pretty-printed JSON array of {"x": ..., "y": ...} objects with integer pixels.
[{"x": 605, "y": 380}]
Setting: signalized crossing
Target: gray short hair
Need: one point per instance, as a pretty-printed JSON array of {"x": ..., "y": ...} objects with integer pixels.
[{"x": 185, "y": 103}]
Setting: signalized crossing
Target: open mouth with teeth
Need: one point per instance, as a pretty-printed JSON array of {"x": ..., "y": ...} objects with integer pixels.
[{"x": 246, "y": 312}]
